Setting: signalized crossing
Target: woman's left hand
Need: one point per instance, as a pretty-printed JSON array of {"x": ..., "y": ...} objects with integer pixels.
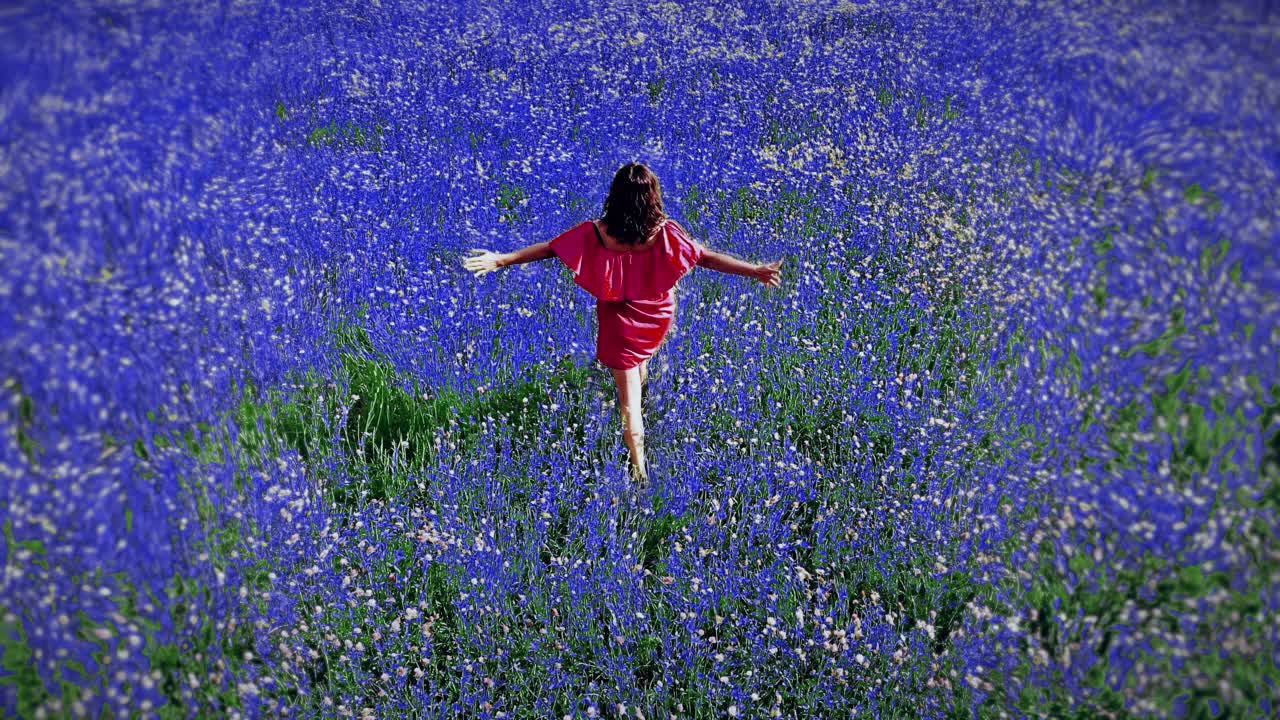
[{"x": 485, "y": 262}]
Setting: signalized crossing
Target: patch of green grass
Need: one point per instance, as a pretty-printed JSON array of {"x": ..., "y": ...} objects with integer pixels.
[
  {"x": 885, "y": 97},
  {"x": 350, "y": 135},
  {"x": 393, "y": 428},
  {"x": 927, "y": 111},
  {"x": 694, "y": 204},
  {"x": 948, "y": 112},
  {"x": 657, "y": 538},
  {"x": 655, "y": 88},
  {"x": 1214, "y": 255},
  {"x": 19, "y": 663},
  {"x": 26, "y": 417},
  {"x": 511, "y": 198}
]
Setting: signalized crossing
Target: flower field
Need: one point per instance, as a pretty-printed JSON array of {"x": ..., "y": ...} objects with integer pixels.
[{"x": 1005, "y": 442}]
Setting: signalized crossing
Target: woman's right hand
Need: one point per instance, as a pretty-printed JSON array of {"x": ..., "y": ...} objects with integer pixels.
[{"x": 770, "y": 274}]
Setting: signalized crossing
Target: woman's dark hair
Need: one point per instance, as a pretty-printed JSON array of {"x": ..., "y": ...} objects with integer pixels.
[{"x": 633, "y": 208}]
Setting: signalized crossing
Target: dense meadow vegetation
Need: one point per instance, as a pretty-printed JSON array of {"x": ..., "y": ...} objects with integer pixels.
[{"x": 1004, "y": 443}]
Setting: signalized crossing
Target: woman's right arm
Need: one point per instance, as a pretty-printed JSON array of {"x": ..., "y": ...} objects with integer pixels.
[
  {"x": 767, "y": 274},
  {"x": 720, "y": 262}
]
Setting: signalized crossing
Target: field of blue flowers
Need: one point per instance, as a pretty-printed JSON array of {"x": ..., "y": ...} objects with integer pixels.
[{"x": 1004, "y": 443}]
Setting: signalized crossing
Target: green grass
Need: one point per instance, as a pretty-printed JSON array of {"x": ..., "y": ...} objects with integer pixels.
[
  {"x": 655, "y": 88},
  {"x": 511, "y": 199},
  {"x": 350, "y": 135},
  {"x": 393, "y": 429}
]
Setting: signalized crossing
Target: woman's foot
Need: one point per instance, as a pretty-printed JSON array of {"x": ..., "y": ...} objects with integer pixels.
[{"x": 639, "y": 478}]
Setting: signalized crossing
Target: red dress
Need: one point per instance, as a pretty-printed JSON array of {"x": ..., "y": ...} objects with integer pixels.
[{"x": 635, "y": 302}]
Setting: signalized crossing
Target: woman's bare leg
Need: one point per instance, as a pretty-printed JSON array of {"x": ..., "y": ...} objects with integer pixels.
[
  {"x": 644, "y": 372},
  {"x": 629, "y": 392}
]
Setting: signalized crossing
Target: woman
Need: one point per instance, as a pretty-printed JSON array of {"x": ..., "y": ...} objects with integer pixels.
[{"x": 630, "y": 261}]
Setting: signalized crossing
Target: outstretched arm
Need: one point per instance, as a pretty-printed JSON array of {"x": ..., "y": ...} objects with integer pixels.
[
  {"x": 537, "y": 251},
  {"x": 721, "y": 262},
  {"x": 767, "y": 274},
  {"x": 489, "y": 261}
]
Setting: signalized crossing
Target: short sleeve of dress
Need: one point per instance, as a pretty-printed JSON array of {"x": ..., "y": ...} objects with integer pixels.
[
  {"x": 568, "y": 246},
  {"x": 685, "y": 251}
]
